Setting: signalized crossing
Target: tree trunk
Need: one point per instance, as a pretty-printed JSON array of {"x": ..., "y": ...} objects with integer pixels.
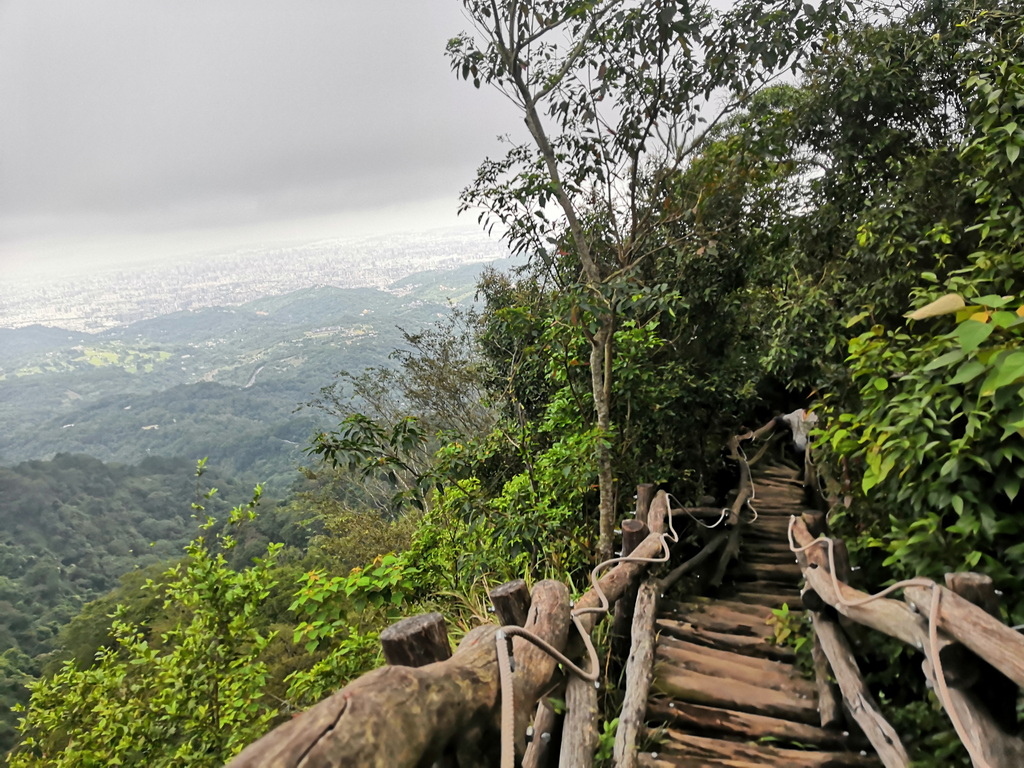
[{"x": 600, "y": 381}]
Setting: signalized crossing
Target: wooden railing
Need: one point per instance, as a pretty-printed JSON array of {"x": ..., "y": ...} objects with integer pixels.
[
  {"x": 427, "y": 708},
  {"x": 973, "y": 661}
]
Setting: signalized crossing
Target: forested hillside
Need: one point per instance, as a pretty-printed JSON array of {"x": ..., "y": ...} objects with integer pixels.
[
  {"x": 725, "y": 213},
  {"x": 220, "y": 382}
]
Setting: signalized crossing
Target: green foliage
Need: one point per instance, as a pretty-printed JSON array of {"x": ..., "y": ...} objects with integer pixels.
[{"x": 194, "y": 696}]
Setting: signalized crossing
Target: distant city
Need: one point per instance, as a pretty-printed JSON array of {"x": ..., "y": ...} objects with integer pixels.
[{"x": 116, "y": 297}]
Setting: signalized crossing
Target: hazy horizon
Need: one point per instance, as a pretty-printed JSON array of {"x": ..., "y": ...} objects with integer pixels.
[{"x": 138, "y": 129}]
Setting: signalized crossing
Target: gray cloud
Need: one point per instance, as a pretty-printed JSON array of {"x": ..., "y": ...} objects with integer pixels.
[{"x": 227, "y": 111}]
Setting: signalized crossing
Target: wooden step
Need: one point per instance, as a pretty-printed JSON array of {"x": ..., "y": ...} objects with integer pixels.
[
  {"x": 721, "y": 618},
  {"x": 752, "y": 646},
  {"x": 710, "y": 690},
  {"x": 672, "y": 608},
  {"x": 793, "y": 600},
  {"x": 757, "y": 663},
  {"x": 677, "y": 743},
  {"x": 746, "y": 725},
  {"x": 782, "y": 677}
]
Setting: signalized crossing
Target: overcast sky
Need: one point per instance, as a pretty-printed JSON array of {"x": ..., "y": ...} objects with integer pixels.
[{"x": 127, "y": 122}]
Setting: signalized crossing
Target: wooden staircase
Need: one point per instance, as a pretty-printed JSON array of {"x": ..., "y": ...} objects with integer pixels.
[{"x": 725, "y": 695}]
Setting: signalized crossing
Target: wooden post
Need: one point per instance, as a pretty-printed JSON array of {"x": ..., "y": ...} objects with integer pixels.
[
  {"x": 993, "y": 687},
  {"x": 644, "y": 496},
  {"x": 540, "y": 749},
  {"x": 639, "y": 670},
  {"x": 579, "y": 730},
  {"x": 830, "y": 705},
  {"x": 511, "y": 603},
  {"x": 815, "y": 522},
  {"x": 416, "y": 641},
  {"x": 633, "y": 532},
  {"x": 858, "y": 698}
]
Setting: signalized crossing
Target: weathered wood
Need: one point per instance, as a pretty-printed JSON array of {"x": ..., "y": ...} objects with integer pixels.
[
  {"x": 976, "y": 588},
  {"x": 743, "y": 494},
  {"x": 990, "y": 744},
  {"x": 985, "y": 635},
  {"x": 708, "y": 749},
  {"x": 690, "y": 565},
  {"x": 614, "y": 582},
  {"x": 830, "y": 705},
  {"x": 639, "y": 671},
  {"x": 997, "y": 690},
  {"x": 745, "y": 725},
  {"x": 815, "y": 522},
  {"x": 756, "y": 662},
  {"x": 752, "y": 646},
  {"x": 729, "y": 552},
  {"x": 541, "y": 748},
  {"x": 579, "y": 731},
  {"x": 758, "y": 612},
  {"x": 431, "y": 707},
  {"x": 511, "y": 602},
  {"x": 841, "y": 559},
  {"x": 721, "y": 618},
  {"x": 859, "y": 701},
  {"x": 416, "y": 641},
  {"x": 778, "y": 677},
  {"x": 644, "y": 497},
  {"x": 633, "y": 534},
  {"x": 769, "y": 600},
  {"x": 893, "y": 617},
  {"x": 733, "y": 694}
]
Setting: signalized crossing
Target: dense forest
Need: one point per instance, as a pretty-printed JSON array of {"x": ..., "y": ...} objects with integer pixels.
[{"x": 723, "y": 213}]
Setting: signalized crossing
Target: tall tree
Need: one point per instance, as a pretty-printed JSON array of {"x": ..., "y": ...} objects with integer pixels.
[{"x": 611, "y": 91}]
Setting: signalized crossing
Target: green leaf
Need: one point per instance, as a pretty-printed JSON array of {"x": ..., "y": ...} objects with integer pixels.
[
  {"x": 968, "y": 371},
  {"x": 971, "y": 333},
  {"x": 1006, "y": 371},
  {"x": 1012, "y": 152},
  {"x": 946, "y": 360}
]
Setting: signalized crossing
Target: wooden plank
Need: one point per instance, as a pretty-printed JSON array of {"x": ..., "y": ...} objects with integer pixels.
[
  {"x": 682, "y": 606},
  {"x": 744, "y": 725},
  {"x": 779, "y": 677},
  {"x": 859, "y": 701},
  {"x": 754, "y": 662},
  {"x": 720, "y": 618},
  {"x": 768, "y": 600},
  {"x": 713, "y": 691},
  {"x": 541, "y": 747},
  {"x": 656, "y": 760},
  {"x": 753, "y": 646},
  {"x": 639, "y": 671},
  {"x": 712, "y": 749}
]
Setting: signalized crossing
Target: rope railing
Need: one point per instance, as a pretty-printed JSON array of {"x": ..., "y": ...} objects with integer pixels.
[{"x": 986, "y": 744}]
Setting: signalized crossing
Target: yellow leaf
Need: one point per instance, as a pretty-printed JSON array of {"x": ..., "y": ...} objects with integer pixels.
[
  {"x": 1020, "y": 311},
  {"x": 951, "y": 302},
  {"x": 981, "y": 317}
]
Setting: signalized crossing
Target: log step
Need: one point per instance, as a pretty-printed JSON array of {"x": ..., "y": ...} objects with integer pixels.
[
  {"x": 742, "y": 725},
  {"x": 711, "y": 690},
  {"x": 689, "y": 746},
  {"x": 751, "y": 646}
]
